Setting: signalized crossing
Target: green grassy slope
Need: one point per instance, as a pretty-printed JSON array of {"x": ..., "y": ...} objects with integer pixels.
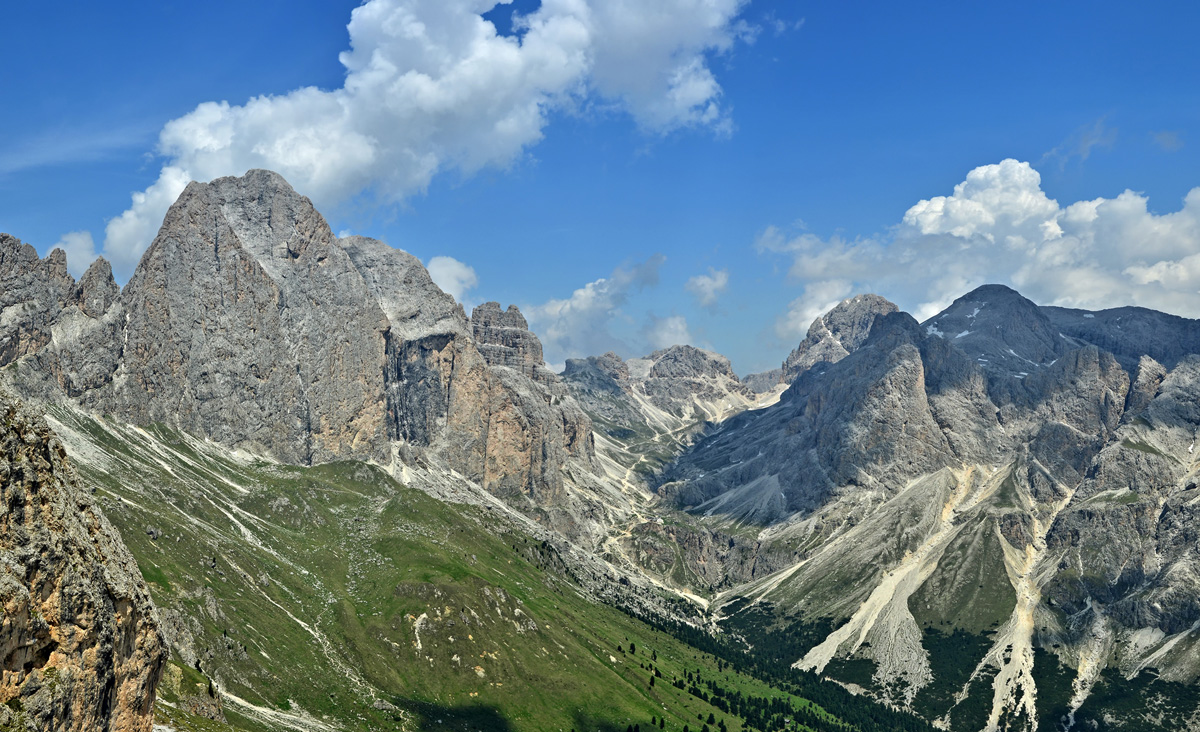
[{"x": 334, "y": 597}]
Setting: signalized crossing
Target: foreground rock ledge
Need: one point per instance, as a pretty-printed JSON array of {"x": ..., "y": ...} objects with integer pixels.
[{"x": 80, "y": 648}]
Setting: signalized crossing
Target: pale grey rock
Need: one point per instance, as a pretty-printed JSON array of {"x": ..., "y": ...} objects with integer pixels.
[
  {"x": 679, "y": 377},
  {"x": 414, "y": 306},
  {"x": 836, "y": 334},
  {"x": 474, "y": 392},
  {"x": 97, "y": 290},
  {"x": 601, "y": 384},
  {"x": 1132, "y": 523},
  {"x": 763, "y": 381},
  {"x": 33, "y": 293},
  {"x": 246, "y": 323},
  {"x": 504, "y": 339},
  {"x": 1148, "y": 378}
]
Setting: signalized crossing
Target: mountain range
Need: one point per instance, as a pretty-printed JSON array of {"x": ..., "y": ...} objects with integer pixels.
[{"x": 328, "y": 474}]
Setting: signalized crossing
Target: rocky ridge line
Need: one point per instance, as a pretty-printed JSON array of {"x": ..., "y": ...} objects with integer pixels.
[{"x": 247, "y": 321}]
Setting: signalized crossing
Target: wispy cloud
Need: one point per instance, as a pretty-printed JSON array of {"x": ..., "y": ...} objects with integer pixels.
[
  {"x": 707, "y": 288},
  {"x": 779, "y": 26},
  {"x": 71, "y": 145},
  {"x": 578, "y": 326},
  {"x": 1168, "y": 140},
  {"x": 1080, "y": 143}
]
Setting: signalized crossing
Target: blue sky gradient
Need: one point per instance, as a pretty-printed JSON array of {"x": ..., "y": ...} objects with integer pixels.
[{"x": 837, "y": 119}]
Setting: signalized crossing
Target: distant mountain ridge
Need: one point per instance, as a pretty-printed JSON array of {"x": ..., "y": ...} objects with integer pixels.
[
  {"x": 996, "y": 470},
  {"x": 987, "y": 518},
  {"x": 248, "y": 322}
]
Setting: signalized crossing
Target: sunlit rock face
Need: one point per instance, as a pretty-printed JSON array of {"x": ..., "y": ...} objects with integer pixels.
[
  {"x": 248, "y": 322},
  {"x": 1025, "y": 475},
  {"x": 80, "y": 647}
]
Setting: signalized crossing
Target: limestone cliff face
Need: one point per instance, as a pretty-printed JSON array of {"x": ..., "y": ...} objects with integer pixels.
[
  {"x": 504, "y": 339},
  {"x": 672, "y": 390},
  {"x": 34, "y": 293},
  {"x": 530, "y": 410},
  {"x": 80, "y": 648},
  {"x": 248, "y": 322},
  {"x": 836, "y": 334}
]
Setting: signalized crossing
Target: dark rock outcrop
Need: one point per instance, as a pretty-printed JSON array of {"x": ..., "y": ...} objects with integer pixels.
[{"x": 80, "y": 648}]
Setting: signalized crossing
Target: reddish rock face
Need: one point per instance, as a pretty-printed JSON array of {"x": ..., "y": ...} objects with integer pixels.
[{"x": 80, "y": 647}]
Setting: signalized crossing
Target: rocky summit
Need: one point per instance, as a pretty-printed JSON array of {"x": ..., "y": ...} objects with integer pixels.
[
  {"x": 357, "y": 507},
  {"x": 1018, "y": 475},
  {"x": 249, "y": 323}
]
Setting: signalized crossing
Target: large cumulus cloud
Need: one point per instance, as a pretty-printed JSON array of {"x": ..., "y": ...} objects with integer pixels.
[
  {"x": 998, "y": 225},
  {"x": 430, "y": 86}
]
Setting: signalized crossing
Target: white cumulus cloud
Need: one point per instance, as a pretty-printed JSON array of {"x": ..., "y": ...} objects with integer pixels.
[
  {"x": 999, "y": 226},
  {"x": 708, "y": 288},
  {"x": 453, "y": 276},
  {"x": 578, "y": 326},
  {"x": 430, "y": 86},
  {"x": 665, "y": 332},
  {"x": 80, "y": 251}
]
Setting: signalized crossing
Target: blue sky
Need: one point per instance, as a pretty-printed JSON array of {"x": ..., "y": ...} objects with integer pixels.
[{"x": 592, "y": 166}]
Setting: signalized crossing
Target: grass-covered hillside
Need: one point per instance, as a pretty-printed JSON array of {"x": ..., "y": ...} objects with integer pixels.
[{"x": 334, "y": 597}]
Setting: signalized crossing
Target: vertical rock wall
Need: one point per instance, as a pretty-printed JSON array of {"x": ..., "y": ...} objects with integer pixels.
[{"x": 80, "y": 648}]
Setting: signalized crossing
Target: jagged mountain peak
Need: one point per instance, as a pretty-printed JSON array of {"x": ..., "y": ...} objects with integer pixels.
[
  {"x": 504, "y": 339},
  {"x": 35, "y": 293},
  {"x": 837, "y": 333},
  {"x": 97, "y": 290},
  {"x": 689, "y": 361},
  {"x": 248, "y": 322},
  {"x": 608, "y": 367},
  {"x": 259, "y": 213},
  {"x": 1001, "y": 330},
  {"x": 495, "y": 312}
]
